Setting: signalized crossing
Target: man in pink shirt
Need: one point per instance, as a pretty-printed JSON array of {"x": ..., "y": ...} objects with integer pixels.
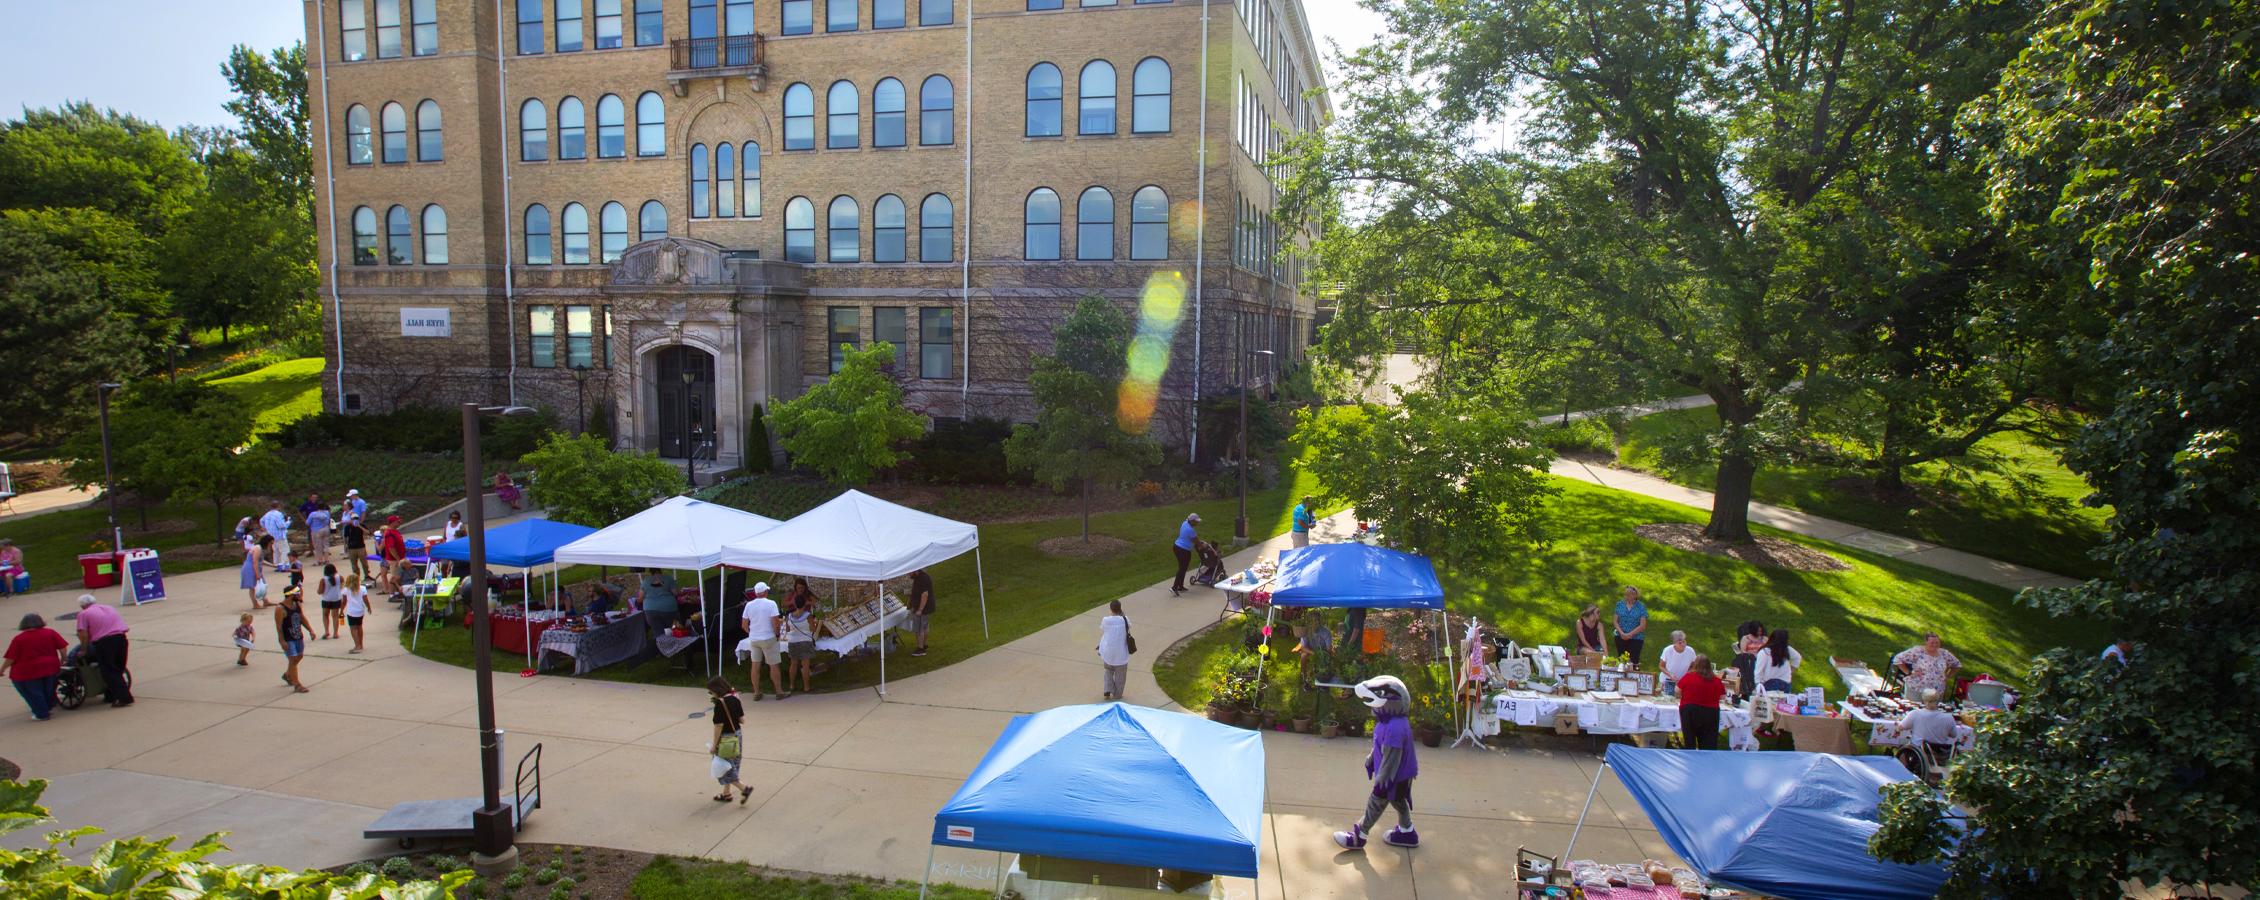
[{"x": 103, "y": 632}]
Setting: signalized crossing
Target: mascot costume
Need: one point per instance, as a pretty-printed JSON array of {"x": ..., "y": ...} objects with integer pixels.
[{"x": 1391, "y": 765}]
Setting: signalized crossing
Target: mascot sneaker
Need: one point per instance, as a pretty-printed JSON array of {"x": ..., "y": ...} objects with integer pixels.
[
  {"x": 1401, "y": 837},
  {"x": 1352, "y": 839}
]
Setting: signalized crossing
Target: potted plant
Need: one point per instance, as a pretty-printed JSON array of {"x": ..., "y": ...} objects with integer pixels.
[
  {"x": 1298, "y": 711},
  {"x": 1431, "y": 717},
  {"x": 1327, "y": 725}
]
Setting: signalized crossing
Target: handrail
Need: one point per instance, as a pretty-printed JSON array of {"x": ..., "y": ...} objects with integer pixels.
[
  {"x": 518, "y": 815},
  {"x": 732, "y": 51}
]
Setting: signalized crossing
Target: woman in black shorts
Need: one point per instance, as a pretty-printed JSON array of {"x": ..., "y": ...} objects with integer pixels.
[{"x": 333, "y": 602}]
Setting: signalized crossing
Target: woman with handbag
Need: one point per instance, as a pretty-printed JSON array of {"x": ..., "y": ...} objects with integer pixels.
[
  {"x": 729, "y": 739},
  {"x": 1115, "y": 647}
]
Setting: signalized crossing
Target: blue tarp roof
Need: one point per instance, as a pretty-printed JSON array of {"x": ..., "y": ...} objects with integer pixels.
[
  {"x": 1115, "y": 783},
  {"x": 1355, "y": 575},
  {"x": 518, "y": 545},
  {"x": 1792, "y": 825}
]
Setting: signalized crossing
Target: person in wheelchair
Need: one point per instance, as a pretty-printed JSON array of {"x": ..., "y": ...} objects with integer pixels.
[
  {"x": 1212, "y": 563},
  {"x": 1930, "y": 730}
]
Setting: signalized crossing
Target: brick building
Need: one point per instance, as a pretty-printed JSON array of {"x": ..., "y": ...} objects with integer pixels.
[{"x": 668, "y": 211}]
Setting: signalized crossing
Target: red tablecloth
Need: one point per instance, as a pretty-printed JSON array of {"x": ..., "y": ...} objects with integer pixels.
[{"x": 509, "y": 633}]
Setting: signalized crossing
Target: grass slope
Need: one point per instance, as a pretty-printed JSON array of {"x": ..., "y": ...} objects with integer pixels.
[
  {"x": 278, "y": 394},
  {"x": 1977, "y": 512}
]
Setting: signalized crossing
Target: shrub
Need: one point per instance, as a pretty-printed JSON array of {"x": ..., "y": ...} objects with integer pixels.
[
  {"x": 398, "y": 867},
  {"x": 409, "y": 429},
  {"x": 965, "y": 451},
  {"x": 441, "y": 862},
  {"x": 1261, "y": 476},
  {"x": 757, "y": 453},
  {"x": 515, "y": 880},
  {"x": 1147, "y": 492},
  {"x": 360, "y": 868},
  {"x": 581, "y": 482},
  {"x": 1587, "y": 435},
  {"x": 548, "y": 875}
]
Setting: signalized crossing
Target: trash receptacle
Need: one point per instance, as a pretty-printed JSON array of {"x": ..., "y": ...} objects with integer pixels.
[{"x": 98, "y": 570}]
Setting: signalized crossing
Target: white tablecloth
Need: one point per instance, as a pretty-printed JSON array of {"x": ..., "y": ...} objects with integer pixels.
[
  {"x": 1892, "y": 732},
  {"x": 847, "y": 643},
  {"x": 1614, "y": 717}
]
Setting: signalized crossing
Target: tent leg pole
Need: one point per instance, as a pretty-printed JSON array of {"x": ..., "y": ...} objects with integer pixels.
[
  {"x": 1597, "y": 773},
  {"x": 928, "y": 878},
  {"x": 709, "y": 664},
  {"x": 983, "y": 581},
  {"x": 1268, "y": 612},
  {"x": 882, "y": 635},
  {"x": 1000, "y": 874}
]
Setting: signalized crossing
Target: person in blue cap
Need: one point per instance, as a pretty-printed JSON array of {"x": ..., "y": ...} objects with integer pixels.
[
  {"x": 1186, "y": 535},
  {"x": 1391, "y": 765}
]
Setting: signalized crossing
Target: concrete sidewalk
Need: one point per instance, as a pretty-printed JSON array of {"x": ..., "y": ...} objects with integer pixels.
[{"x": 24, "y": 506}]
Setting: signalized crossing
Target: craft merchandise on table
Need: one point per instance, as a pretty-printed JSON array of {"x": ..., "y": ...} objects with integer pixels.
[
  {"x": 1246, "y": 587},
  {"x": 509, "y": 627},
  {"x": 593, "y": 646},
  {"x": 1875, "y": 703},
  {"x": 847, "y": 629}
]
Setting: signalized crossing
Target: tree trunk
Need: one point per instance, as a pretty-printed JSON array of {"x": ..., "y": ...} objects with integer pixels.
[
  {"x": 1086, "y": 481},
  {"x": 141, "y": 505},
  {"x": 219, "y": 523},
  {"x": 1890, "y": 480},
  {"x": 1730, "y": 501}
]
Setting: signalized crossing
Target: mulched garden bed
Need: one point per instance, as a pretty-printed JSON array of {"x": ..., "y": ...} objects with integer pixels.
[
  {"x": 1764, "y": 551},
  {"x": 1073, "y": 546}
]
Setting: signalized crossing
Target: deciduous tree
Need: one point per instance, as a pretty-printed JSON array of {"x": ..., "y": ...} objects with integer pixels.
[
  {"x": 853, "y": 424},
  {"x": 581, "y": 481},
  {"x": 68, "y": 281},
  {"x": 1078, "y": 435}
]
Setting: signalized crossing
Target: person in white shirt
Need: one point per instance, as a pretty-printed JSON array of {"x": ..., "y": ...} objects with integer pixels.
[
  {"x": 277, "y": 526},
  {"x": 1777, "y": 662},
  {"x": 453, "y": 529},
  {"x": 1114, "y": 650},
  {"x": 356, "y": 607},
  {"x": 761, "y": 645},
  {"x": 1932, "y": 727},
  {"x": 1674, "y": 662}
]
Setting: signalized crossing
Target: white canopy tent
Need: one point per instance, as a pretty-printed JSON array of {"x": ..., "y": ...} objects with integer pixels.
[
  {"x": 858, "y": 537},
  {"x": 676, "y": 533}
]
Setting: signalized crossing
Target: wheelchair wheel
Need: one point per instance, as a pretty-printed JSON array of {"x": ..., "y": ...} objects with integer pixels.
[{"x": 70, "y": 691}]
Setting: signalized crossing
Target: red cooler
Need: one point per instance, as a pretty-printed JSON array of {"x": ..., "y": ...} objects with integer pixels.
[{"x": 98, "y": 570}]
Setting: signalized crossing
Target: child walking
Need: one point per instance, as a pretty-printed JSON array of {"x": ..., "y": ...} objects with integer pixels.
[{"x": 244, "y": 638}]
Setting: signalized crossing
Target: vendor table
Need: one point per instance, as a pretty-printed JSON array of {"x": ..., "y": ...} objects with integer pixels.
[
  {"x": 1237, "y": 591},
  {"x": 1639, "y": 716},
  {"x": 603, "y": 645},
  {"x": 1857, "y": 675},
  {"x": 670, "y": 645},
  {"x": 1892, "y": 731},
  {"x": 508, "y": 628}
]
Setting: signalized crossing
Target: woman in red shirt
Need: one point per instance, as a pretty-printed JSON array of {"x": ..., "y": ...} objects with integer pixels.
[
  {"x": 34, "y": 664},
  {"x": 1699, "y": 693}
]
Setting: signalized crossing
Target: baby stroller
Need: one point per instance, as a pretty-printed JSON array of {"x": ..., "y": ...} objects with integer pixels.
[
  {"x": 80, "y": 679},
  {"x": 1212, "y": 564}
]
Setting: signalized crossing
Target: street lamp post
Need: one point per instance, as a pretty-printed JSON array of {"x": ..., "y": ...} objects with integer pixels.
[
  {"x": 1240, "y": 524},
  {"x": 109, "y": 491},
  {"x": 493, "y": 829}
]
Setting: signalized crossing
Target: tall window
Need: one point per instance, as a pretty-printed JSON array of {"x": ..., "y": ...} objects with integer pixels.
[
  {"x": 435, "y": 236},
  {"x": 841, "y": 118},
  {"x": 580, "y": 337},
  {"x": 843, "y": 231},
  {"x": 607, "y": 24},
  {"x": 751, "y": 160},
  {"x": 725, "y": 178},
  {"x": 572, "y": 129},
  {"x": 737, "y": 17},
  {"x": 934, "y": 229},
  {"x": 796, "y": 17},
  {"x": 699, "y": 182},
  {"x": 886, "y": 13},
  {"x": 933, "y": 12},
  {"x": 613, "y": 219},
  {"x": 839, "y": 15},
  {"x": 1149, "y": 223},
  {"x": 887, "y": 126},
  {"x": 888, "y": 221},
  {"x": 529, "y": 27},
  {"x": 541, "y": 331},
  {"x": 800, "y": 230},
  {"x": 395, "y": 122},
  {"x": 611, "y": 127},
  {"x": 936, "y": 332},
  {"x": 428, "y": 144},
  {"x": 533, "y": 131},
  {"x": 703, "y": 23},
  {"x": 353, "y": 29},
  {"x": 1094, "y": 225},
  {"x": 1035, "y": 5},
  {"x": 568, "y": 25},
  {"x": 651, "y": 23},
  {"x": 1149, "y": 96},
  {"x": 423, "y": 19},
  {"x": 1040, "y": 225},
  {"x": 936, "y": 102},
  {"x": 388, "y": 29},
  {"x": 357, "y": 149},
  {"x": 397, "y": 237},
  {"x": 651, "y": 125},
  {"x": 1044, "y": 94},
  {"x": 537, "y": 236},
  {"x": 576, "y": 234},
  {"x": 843, "y": 330},
  {"x": 890, "y": 324},
  {"x": 1095, "y": 89},
  {"x": 364, "y": 236},
  {"x": 651, "y": 220},
  {"x": 800, "y": 117}
]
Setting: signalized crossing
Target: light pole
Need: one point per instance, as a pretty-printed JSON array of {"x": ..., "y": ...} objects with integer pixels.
[
  {"x": 580, "y": 399},
  {"x": 109, "y": 492},
  {"x": 493, "y": 830},
  {"x": 1240, "y": 524},
  {"x": 690, "y": 450}
]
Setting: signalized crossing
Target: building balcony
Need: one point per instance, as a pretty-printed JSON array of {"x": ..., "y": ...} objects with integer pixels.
[{"x": 716, "y": 57}]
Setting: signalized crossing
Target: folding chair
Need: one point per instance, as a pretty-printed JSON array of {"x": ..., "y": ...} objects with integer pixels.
[{"x": 430, "y": 600}]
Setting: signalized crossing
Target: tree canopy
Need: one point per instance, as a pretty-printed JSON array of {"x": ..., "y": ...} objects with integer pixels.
[
  {"x": 852, "y": 425},
  {"x": 70, "y": 280},
  {"x": 581, "y": 481},
  {"x": 1078, "y": 436}
]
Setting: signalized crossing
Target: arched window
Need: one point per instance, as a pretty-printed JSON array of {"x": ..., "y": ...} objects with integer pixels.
[
  {"x": 843, "y": 231},
  {"x": 435, "y": 235},
  {"x": 1149, "y": 223},
  {"x": 887, "y": 228},
  {"x": 726, "y": 181},
  {"x": 800, "y": 230},
  {"x": 572, "y": 129},
  {"x": 428, "y": 142},
  {"x": 364, "y": 236},
  {"x": 842, "y": 121},
  {"x": 1095, "y": 89},
  {"x": 1094, "y": 225},
  {"x": 1044, "y": 94},
  {"x": 800, "y": 117},
  {"x": 936, "y": 102},
  {"x": 533, "y": 131},
  {"x": 357, "y": 148},
  {"x": 1040, "y": 225},
  {"x": 611, "y": 127},
  {"x": 887, "y": 102},
  {"x": 537, "y": 236},
  {"x": 395, "y": 123},
  {"x": 651, "y": 125},
  {"x": 750, "y": 158},
  {"x": 613, "y": 219},
  {"x": 651, "y": 220},
  {"x": 398, "y": 238},
  {"x": 701, "y": 186},
  {"x": 576, "y": 234},
  {"x": 934, "y": 229},
  {"x": 1149, "y": 96}
]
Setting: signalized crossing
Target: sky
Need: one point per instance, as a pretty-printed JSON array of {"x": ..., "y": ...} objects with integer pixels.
[{"x": 160, "y": 59}]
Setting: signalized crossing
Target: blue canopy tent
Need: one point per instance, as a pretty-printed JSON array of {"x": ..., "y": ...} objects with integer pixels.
[
  {"x": 1355, "y": 576},
  {"x": 1114, "y": 783},
  {"x": 519, "y": 545},
  {"x": 1790, "y": 825}
]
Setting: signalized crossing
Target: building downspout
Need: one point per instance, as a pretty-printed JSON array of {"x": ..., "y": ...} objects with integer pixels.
[
  {"x": 509, "y": 258},
  {"x": 1200, "y": 242},
  {"x": 965, "y": 260},
  {"x": 329, "y": 198}
]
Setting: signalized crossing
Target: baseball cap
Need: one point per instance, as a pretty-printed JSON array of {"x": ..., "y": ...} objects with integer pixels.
[
  {"x": 392, "y": 520},
  {"x": 1195, "y": 517},
  {"x": 353, "y": 492},
  {"x": 761, "y": 587}
]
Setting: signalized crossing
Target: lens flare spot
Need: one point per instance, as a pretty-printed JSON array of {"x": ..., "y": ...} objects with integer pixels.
[{"x": 1160, "y": 305}]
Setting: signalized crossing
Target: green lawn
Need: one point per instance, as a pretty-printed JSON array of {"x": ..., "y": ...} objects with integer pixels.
[
  {"x": 673, "y": 878},
  {"x": 278, "y": 394},
  {"x": 1877, "y": 608},
  {"x": 1979, "y": 512}
]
